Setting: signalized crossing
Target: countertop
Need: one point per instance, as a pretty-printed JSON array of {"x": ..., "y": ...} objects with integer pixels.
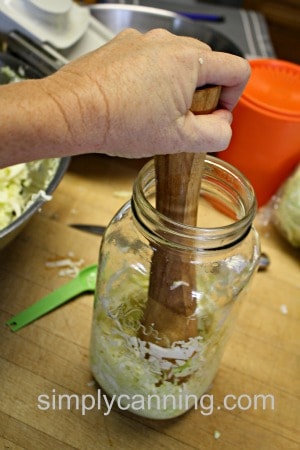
[{"x": 50, "y": 356}]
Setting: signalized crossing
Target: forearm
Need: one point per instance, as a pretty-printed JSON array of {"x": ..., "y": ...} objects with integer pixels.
[
  {"x": 130, "y": 98},
  {"x": 45, "y": 118}
]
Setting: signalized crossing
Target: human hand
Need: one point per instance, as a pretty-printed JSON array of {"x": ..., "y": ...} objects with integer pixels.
[{"x": 131, "y": 97}]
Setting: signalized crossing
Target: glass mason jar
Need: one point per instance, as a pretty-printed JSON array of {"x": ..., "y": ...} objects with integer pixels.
[{"x": 153, "y": 359}]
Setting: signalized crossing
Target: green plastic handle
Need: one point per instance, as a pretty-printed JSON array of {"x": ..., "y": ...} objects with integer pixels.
[{"x": 84, "y": 282}]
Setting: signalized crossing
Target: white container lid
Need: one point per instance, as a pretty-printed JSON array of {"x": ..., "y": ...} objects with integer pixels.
[{"x": 60, "y": 23}]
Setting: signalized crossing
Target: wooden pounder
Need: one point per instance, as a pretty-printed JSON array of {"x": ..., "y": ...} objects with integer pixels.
[{"x": 171, "y": 303}]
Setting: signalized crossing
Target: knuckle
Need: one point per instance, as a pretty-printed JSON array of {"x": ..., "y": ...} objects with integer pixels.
[{"x": 158, "y": 33}]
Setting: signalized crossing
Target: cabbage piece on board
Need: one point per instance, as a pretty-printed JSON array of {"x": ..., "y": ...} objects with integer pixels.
[{"x": 286, "y": 209}]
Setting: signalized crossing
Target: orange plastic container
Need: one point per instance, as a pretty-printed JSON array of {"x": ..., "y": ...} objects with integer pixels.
[{"x": 265, "y": 145}]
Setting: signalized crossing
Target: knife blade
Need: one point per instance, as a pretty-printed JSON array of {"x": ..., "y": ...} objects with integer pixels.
[{"x": 93, "y": 229}]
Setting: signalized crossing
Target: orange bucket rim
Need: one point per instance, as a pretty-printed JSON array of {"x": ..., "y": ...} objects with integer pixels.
[{"x": 268, "y": 78}]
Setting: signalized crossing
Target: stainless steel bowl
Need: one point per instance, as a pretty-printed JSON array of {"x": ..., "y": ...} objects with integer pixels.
[
  {"x": 118, "y": 17},
  {"x": 45, "y": 177},
  {"x": 8, "y": 233}
]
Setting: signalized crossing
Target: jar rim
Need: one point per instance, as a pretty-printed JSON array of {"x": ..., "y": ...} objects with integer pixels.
[{"x": 164, "y": 229}]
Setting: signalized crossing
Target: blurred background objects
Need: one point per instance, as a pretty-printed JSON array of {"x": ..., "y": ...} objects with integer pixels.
[{"x": 282, "y": 17}]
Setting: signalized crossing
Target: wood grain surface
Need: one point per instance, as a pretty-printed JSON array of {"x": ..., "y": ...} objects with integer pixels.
[{"x": 50, "y": 356}]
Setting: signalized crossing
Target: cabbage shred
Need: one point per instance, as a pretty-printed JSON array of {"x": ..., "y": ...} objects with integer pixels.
[{"x": 12, "y": 202}]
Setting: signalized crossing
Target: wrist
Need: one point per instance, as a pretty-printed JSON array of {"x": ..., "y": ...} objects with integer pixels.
[{"x": 81, "y": 111}]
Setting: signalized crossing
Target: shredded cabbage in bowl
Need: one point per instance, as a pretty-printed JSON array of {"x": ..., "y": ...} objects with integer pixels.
[
  {"x": 21, "y": 184},
  {"x": 7, "y": 75},
  {"x": 12, "y": 202},
  {"x": 12, "y": 179}
]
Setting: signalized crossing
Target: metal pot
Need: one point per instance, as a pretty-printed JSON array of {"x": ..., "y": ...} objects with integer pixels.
[{"x": 117, "y": 17}]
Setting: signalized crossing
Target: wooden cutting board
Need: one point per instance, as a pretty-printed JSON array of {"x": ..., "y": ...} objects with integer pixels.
[{"x": 50, "y": 356}]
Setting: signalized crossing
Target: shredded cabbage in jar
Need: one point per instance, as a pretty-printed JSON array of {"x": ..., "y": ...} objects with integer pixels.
[{"x": 163, "y": 381}]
